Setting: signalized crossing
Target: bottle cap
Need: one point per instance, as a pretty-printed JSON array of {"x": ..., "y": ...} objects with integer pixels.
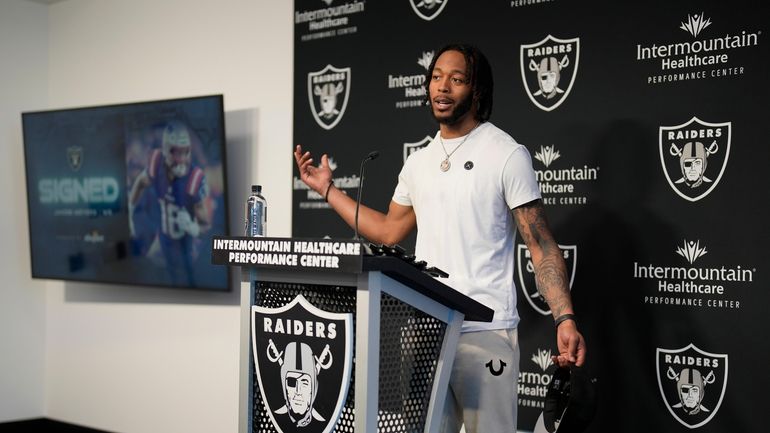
[{"x": 256, "y": 188}]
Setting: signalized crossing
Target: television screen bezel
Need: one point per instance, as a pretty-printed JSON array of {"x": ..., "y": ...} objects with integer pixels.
[{"x": 220, "y": 99}]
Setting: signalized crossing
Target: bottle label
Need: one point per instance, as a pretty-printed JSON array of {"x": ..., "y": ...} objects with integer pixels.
[{"x": 255, "y": 223}]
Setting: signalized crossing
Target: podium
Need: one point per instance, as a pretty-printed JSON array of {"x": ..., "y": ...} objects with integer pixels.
[{"x": 404, "y": 333}]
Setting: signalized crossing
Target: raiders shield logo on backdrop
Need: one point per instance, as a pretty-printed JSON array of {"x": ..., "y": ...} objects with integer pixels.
[
  {"x": 303, "y": 359},
  {"x": 694, "y": 156},
  {"x": 526, "y": 271},
  {"x": 75, "y": 157},
  {"x": 692, "y": 383},
  {"x": 410, "y": 148},
  {"x": 328, "y": 91},
  {"x": 548, "y": 70},
  {"x": 428, "y": 9}
]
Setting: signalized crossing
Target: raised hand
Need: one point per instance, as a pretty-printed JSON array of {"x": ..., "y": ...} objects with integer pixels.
[{"x": 317, "y": 178}]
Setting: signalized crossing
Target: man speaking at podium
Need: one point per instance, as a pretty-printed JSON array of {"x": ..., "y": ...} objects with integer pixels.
[{"x": 467, "y": 193}]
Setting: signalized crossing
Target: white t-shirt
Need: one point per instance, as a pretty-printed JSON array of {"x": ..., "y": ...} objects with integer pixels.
[{"x": 464, "y": 223}]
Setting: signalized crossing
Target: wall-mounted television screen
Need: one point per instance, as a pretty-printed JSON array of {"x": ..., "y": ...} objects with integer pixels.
[{"x": 129, "y": 193}]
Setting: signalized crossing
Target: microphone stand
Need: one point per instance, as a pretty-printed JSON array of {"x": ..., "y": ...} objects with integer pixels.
[{"x": 372, "y": 155}]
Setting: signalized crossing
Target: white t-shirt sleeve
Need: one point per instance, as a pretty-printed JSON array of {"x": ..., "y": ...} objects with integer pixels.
[
  {"x": 401, "y": 194},
  {"x": 519, "y": 182}
]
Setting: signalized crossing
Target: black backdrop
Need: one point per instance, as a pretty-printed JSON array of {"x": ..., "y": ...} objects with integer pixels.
[{"x": 670, "y": 280}]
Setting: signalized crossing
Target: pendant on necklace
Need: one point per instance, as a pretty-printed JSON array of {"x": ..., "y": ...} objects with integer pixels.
[{"x": 445, "y": 165}]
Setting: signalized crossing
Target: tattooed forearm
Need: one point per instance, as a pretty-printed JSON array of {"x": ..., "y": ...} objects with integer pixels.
[
  {"x": 550, "y": 270},
  {"x": 551, "y": 279}
]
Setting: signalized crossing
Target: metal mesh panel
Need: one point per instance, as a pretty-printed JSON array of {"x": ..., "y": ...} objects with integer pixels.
[
  {"x": 410, "y": 344},
  {"x": 335, "y": 299}
]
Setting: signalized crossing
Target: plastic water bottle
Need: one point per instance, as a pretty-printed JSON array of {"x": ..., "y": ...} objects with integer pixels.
[{"x": 256, "y": 213}]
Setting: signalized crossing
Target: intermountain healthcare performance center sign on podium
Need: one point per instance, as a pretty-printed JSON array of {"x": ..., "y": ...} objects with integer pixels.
[{"x": 335, "y": 339}]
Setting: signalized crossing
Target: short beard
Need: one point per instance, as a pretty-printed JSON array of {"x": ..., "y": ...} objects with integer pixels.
[{"x": 460, "y": 110}]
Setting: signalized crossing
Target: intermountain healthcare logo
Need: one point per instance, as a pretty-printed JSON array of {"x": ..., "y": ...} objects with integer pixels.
[
  {"x": 694, "y": 156},
  {"x": 692, "y": 383},
  {"x": 559, "y": 185},
  {"x": 409, "y": 87},
  {"x": 694, "y": 286},
  {"x": 328, "y": 21},
  {"x": 526, "y": 271},
  {"x": 410, "y": 148},
  {"x": 301, "y": 352},
  {"x": 328, "y": 91},
  {"x": 548, "y": 70},
  {"x": 695, "y": 24},
  {"x": 547, "y": 155},
  {"x": 698, "y": 58},
  {"x": 691, "y": 251},
  {"x": 428, "y": 9},
  {"x": 533, "y": 383}
]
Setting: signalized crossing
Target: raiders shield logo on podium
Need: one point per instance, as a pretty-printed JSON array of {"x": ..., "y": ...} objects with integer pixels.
[{"x": 303, "y": 359}]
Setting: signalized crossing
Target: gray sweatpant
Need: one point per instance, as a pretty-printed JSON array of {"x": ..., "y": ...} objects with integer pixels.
[{"x": 482, "y": 391}]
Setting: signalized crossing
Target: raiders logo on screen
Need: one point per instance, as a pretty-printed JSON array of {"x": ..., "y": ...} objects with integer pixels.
[
  {"x": 328, "y": 91},
  {"x": 694, "y": 156},
  {"x": 410, "y": 148},
  {"x": 548, "y": 70},
  {"x": 692, "y": 383},
  {"x": 526, "y": 271},
  {"x": 75, "y": 157},
  {"x": 303, "y": 359},
  {"x": 428, "y": 9}
]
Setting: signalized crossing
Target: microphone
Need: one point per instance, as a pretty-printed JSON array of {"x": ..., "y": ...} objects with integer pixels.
[{"x": 372, "y": 155}]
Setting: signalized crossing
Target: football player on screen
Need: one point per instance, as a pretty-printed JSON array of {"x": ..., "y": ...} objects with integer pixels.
[{"x": 181, "y": 190}]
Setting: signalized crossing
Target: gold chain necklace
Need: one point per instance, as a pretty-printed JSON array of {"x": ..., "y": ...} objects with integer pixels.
[{"x": 445, "y": 164}]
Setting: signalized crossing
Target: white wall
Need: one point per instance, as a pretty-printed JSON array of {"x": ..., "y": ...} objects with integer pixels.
[
  {"x": 23, "y": 87},
  {"x": 128, "y": 359}
]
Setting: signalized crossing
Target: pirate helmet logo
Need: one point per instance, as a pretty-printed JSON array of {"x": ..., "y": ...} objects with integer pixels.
[
  {"x": 688, "y": 150},
  {"x": 299, "y": 371},
  {"x": 301, "y": 353},
  {"x": 526, "y": 270},
  {"x": 691, "y": 390},
  {"x": 428, "y": 9},
  {"x": 410, "y": 148},
  {"x": 328, "y": 93},
  {"x": 692, "y": 159},
  {"x": 548, "y": 70},
  {"x": 692, "y": 383}
]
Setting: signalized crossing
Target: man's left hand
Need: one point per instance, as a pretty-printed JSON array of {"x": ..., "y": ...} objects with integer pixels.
[{"x": 571, "y": 345}]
